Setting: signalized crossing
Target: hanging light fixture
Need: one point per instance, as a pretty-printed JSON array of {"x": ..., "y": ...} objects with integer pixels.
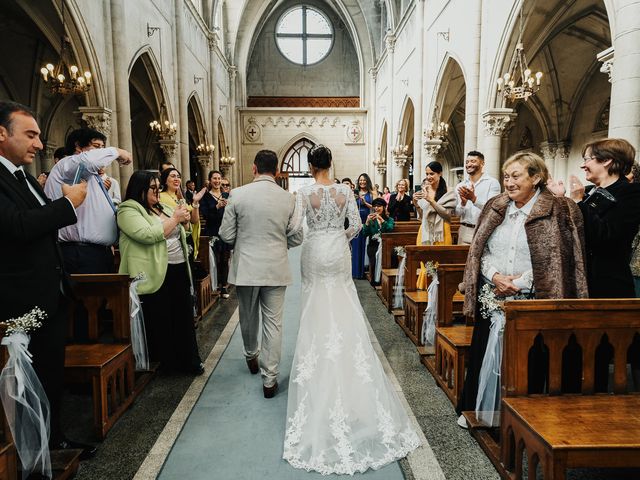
[
  {"x": 204, "y": 149},
  {"x": 520, "y": 82},
  {"x": 227, "y": 161},
  {"x": 65, "y": 77},
  {"x": 164, "y": 129}
]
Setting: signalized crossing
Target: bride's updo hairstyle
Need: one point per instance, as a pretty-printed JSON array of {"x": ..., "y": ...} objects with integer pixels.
[{"x": 320, "y": 157}]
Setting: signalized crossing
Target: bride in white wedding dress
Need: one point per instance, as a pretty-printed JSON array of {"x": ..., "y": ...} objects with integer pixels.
[{"x": 343, "y": 415}]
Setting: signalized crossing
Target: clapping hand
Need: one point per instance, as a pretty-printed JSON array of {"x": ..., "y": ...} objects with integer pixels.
[
  {"x": 181, "y": 214},
  {"x": 198, "y": 196},
  {"x": 556, "y": 187},
  {"x": 576, "y": 190},
  {"x": 467, "y": 193},
  {"x": 107, "y": 183}
]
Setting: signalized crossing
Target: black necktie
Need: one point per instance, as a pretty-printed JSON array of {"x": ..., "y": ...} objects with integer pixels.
[{"x": 22, "y": 179}]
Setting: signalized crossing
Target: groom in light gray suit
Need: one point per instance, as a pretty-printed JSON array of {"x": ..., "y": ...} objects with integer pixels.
[{"x": 257, "y": 223}]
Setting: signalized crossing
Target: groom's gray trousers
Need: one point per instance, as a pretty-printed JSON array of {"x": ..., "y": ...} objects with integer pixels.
[{"x": 268, "y": 301}]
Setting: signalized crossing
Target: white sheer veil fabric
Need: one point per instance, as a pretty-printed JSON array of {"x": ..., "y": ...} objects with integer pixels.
[
  {"x": 343, "y": 415},
  {"x": 26, "y": 407}
]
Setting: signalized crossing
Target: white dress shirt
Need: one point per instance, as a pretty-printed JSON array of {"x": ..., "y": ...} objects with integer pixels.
[
  {"x": 96, "y": 218},
  {"x": 485, "y": 188},
  {"x": 507, "y": 250}
]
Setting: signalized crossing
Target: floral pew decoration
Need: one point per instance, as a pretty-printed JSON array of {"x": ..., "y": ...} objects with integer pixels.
[
  {"x": 23, "y": 398},
  {"x": 398, "y": 289}
]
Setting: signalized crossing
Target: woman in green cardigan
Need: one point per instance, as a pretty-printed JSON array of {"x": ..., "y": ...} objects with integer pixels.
[{"x": 153, "y": 243}]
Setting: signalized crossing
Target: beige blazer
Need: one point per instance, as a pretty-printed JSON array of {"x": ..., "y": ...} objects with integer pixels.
[{"x": 256, "y": 222}]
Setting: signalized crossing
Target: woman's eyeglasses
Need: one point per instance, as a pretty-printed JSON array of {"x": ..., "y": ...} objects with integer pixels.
[
  {"x": 588, "y": 159},
  {"x": 225, "y": 185}
]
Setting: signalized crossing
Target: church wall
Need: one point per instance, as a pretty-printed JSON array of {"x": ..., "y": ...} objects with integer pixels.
[
  {"x": 271, "y": 74},
  {"x": 275, "y": 128}
]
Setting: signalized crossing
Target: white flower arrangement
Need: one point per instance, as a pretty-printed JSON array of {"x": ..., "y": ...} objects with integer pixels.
[
  {"x": 26, "y": 323},
  {"x": 400, "y": 251},
  {"x": 488, "y": 301},
  {"x": 432, "y": 268}
]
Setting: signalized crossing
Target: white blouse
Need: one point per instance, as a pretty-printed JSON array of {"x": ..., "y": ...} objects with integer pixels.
[{"x": 507, "y": 250}]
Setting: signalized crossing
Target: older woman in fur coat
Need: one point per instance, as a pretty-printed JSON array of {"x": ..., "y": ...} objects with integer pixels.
[{"x": 527, "y": 241}]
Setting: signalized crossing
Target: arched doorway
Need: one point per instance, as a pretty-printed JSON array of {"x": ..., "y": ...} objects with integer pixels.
[
  {"x": 199, "y": 164},
  {"x": 145, "y": 98}
]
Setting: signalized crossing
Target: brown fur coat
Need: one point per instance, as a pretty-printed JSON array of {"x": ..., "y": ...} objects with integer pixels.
[{"x": 555, "y": 232}]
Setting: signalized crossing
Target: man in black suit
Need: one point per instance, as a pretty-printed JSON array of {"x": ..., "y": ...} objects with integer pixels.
[{"x": 31, "y": 272}]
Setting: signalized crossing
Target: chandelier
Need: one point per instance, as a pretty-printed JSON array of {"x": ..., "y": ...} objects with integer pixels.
[
  {"x": 400, "y": 150},
  {"x": 437, "y": 131},
  {"x": 227, "y": 161},
  {"x": 204, "y": 149},
  {"x": 163, "y": 127},
  {"x": 520, "y": 82},
  {"x": 380, "y": 163},
  {"x": 65, "y": 78}
]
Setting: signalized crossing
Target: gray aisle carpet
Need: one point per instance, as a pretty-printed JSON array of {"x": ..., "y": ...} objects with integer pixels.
[{"x": 232, "y": 432}]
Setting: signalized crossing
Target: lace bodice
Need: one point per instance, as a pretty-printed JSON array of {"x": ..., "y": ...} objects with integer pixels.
[{"x": 326, "y": 207}]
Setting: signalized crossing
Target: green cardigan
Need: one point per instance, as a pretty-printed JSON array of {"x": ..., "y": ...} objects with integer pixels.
[
  {"x": 373, "y": 227},
  {"x": 143, "y": 248}
]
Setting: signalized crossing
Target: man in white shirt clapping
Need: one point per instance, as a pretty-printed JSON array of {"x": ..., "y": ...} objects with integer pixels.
[{"x": 472, "y": 194}]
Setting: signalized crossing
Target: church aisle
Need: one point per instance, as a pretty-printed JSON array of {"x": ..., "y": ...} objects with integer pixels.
[{"x": 233, "y": 432}]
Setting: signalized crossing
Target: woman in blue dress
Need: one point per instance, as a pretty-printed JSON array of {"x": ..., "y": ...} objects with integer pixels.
[{"x": 364, "y": 197}]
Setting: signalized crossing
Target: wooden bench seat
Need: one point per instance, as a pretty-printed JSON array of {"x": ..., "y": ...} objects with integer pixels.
[
  {"x": 451, "y": 348},
  {"x": 110, "y": 369},
  {"x": 572, "y": 431},
  {"x": 414, "y": 306}
]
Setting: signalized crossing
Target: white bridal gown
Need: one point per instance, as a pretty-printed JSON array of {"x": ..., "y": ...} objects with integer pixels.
[{"x": 343, "y": 415}]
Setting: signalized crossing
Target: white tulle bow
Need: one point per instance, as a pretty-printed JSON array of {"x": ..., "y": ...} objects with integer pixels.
[
  {"x": 26, "y": 407},
  {"x": 431, "y": 312},
  {"x": 138, "y": 333}
]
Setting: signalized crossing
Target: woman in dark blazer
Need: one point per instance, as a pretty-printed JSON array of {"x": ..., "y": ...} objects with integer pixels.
[{"x": 400, "y": 204}]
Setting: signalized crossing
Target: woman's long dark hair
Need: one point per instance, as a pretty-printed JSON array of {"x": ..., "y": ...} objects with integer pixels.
[
  {"x": 138, "y": 187},
  {"x": 382, "y": 202},
  {"x": 442, "y": 185},
  {"x": 369, "y": 183}
]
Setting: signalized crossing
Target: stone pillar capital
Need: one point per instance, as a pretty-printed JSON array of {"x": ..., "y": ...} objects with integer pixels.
[
  {"x": 548, "y": 150},
  {"x": 400, "y": 160},
  {"x": 204, "y": 160},
  {"x": 606, "y": 57},
  {"x": 233, "y": 71},
  {"x": 498, "y": 121},
  {"x": 168, "y": 147},
  {"x": 432, "y": 147},
  {"x": 390, "y": 41},
  {"x": 97, "y": 118}
]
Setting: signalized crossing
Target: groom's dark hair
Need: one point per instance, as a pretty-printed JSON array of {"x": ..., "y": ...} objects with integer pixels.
[{"x": 266, "y": 162}]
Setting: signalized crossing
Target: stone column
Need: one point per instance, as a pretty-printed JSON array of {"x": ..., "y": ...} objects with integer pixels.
[
  {"x": 374, "y": 141},
  {"x": 213, "y": 94},
  {"x": 183, "y": 117},
  {"x": 204, "y": 162},
  {"x": 472, "y": 94},
  {"x": 232, "y": 140},
  {"x": 562, "y": 161},
  {"x": 497, "y": 124},
  {"x": 549, "y": 150},
  {"x": 390, "y": 42},
  {"x": 399, "y": 162},
  {"x": 419, "y": 97},
  {"x": 46, "y": 156},
  {"x": 121, "y": 81},
  {"x": 624, "y": 120}
]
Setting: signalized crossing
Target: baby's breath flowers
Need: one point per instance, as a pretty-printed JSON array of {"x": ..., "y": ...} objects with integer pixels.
[
  {"x": 400, "y": 251},
  {"x": 26, "y": 323},
  {"x": 432, "y": 268}
]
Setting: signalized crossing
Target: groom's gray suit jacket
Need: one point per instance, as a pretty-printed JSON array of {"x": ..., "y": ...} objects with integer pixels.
[{"x": 256, "y": 222}]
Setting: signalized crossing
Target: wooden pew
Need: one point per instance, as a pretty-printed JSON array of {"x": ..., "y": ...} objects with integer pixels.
[
  {"x": 409, "y": 226},
  {"x": 452, "y": 340},
  {"x": 109, "y": 367},
  {"x": 415, "y": 301},
  {"x": 389, "y": 274},
  {"x": 559, "y": 431},
  {"x": 207, "y": 295},
  {"x": 95, "y": 290}
]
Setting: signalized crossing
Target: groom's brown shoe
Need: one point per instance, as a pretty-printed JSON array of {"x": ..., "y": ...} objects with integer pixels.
[
  {"x": 253, "y": 365},
  {"x": 270, "y": 392}
]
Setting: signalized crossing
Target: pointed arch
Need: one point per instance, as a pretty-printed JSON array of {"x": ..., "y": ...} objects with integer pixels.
[
  {"x": 195, "y": 114},
  {"x": 405, "y": 124}
]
